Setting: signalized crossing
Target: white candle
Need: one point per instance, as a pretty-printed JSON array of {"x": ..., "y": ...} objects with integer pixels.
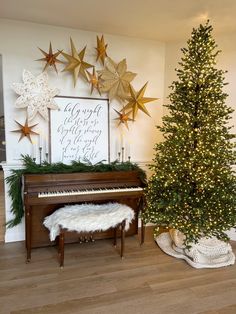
[
  {"x": 128, "y": 149},
  {"x": 40, "y": 140},
  {"x": 32, "y": 149},
  {"x": 121, "y": 138},
  {"x": 46, "y": 146},
  {"x": 34, "y": 144}
]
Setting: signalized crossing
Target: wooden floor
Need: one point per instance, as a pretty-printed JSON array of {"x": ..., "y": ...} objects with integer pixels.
[{"x": 95, "y": 280}]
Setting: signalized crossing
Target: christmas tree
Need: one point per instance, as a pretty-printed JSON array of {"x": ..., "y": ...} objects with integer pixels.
[{"x": 192, "y": 188}]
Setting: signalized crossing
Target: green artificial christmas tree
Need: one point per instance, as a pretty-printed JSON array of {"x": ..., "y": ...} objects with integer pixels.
[{"x": 192, "y": 188}]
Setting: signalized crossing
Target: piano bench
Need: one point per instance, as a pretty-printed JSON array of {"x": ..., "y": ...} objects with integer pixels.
[{"x": 84, "y": 218}]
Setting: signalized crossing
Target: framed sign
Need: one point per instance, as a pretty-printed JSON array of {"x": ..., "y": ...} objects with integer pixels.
[{"x": 79, "y": 130}]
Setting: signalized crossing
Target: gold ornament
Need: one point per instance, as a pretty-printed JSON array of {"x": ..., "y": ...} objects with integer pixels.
[
  {"x": 115, "y": 79},
  {"x": 136, "y": 100},
  {"x": 123, "y": 117},
  {"x": 76, "y": 63},
  {"x": 101, "y": 49},
  {"x": 94, "y": 81},
  {"x": 50, "y": 58},
  {"x": 25, "y": 130}
]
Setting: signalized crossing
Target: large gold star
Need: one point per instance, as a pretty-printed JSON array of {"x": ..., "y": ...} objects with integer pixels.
[
  {"x": 123, "y": 117},
  {"x": 136, "y": 100},
  {"x": 94, "y": 81},
  {"x": 101, "y": 49},
  {"x": 115, "y": 79},
  {"x": 50, "y": 58},
  {"x": 25, "y": 130},
  {"x": 76, "y": 63}
]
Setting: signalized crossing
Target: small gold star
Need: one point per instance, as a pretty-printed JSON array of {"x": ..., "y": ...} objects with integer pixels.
[
  {"x": 123, "y": 117},
  {"x": 101, "y": 49},
  {"x": 136, "y": 100},
  {"x": 94, "y": 81},
  {"x": 25, "y": 130},
  {"x": 50, "y": 58}
]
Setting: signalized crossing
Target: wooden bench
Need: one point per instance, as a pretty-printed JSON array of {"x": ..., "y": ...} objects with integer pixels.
[{"x": 84, "y": 218}]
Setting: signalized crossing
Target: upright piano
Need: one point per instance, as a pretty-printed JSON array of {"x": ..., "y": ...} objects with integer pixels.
[{"x": 45, "y": 193}]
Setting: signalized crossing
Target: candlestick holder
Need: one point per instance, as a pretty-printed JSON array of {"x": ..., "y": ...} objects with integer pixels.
[
  {"x": 118, "y": 156},
  {"x": 122, "y": 154},
  {"x": 40, "y": 155}
]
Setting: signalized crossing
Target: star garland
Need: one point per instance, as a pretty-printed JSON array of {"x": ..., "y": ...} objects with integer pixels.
[
  {"x": 123, "y": 117},
  {"x": 50, "y": 58},
  {"x": 35, "y": 95},
  {"x": 76, "y": 64},
  {"x": 25, "y": 130},
  {"x": 136, "y": 100},
  {"x": 115, "y": 79},
  {"x": 94, "y": 81},
  {"x": 101, "y": 49}
]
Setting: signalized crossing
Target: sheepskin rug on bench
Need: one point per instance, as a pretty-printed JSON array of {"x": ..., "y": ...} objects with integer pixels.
[{"x": 88, "y": 218}]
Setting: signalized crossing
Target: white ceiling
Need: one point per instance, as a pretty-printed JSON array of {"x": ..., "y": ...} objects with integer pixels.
[{"x": 165, "y": 20}]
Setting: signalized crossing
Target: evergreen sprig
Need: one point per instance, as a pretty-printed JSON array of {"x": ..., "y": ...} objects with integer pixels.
[{"x": 30, "y": 166}]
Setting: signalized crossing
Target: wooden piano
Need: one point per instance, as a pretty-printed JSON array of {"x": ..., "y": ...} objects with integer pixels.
[{"x": 44, "y": 193}]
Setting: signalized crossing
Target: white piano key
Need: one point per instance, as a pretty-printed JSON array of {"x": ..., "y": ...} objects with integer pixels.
[{"x": 87, "y": 192}]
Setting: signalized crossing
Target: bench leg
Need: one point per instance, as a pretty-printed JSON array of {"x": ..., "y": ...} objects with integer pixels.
[
  {"x": 122, "y": 239},
  {"x": 142, "y": 232},
  {"x": 115, "y": 237},
  {"x": 61, "y": 248}
]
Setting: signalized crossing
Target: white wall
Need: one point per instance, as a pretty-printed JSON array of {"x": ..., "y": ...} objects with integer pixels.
[
  {"x": 226, "y": 61},
  {"x": 18, "y": 47}
]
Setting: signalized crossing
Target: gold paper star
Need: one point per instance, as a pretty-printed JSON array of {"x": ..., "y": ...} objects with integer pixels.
[
  {"x": 25, "y": 130},
  {"x": 115, "y": 79},
  {"x": 136, "y": 100},
  {"x": 101, "y": 49},
  {"x": 123, "y": 117},
  {"x": 50, "y": 58},
  {"x": 76, "y": 64},
  {"x": 94, "y": 81}
]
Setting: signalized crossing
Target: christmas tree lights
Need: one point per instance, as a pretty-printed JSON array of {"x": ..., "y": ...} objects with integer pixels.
[{"x": 192, "y": 188}]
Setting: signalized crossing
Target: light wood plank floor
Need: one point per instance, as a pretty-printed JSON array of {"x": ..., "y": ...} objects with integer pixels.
[{"x": 96, "y": 281}]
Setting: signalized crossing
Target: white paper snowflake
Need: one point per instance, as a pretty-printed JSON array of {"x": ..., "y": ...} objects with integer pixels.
[{"x": 35, "y": 95}]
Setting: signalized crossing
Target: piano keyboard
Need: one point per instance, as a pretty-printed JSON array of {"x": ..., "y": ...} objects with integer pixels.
[{"x": 87, "y": 192}]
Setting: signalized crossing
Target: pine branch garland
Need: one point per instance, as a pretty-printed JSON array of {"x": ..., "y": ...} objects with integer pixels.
[{"x": 30, "y": 166}]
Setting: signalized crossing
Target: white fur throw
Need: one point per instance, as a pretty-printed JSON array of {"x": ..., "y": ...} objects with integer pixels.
[{"x": 88, "y": 218}]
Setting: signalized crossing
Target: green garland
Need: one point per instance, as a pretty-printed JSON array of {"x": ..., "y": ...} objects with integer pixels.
[{"x": 15, "y": 183}]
